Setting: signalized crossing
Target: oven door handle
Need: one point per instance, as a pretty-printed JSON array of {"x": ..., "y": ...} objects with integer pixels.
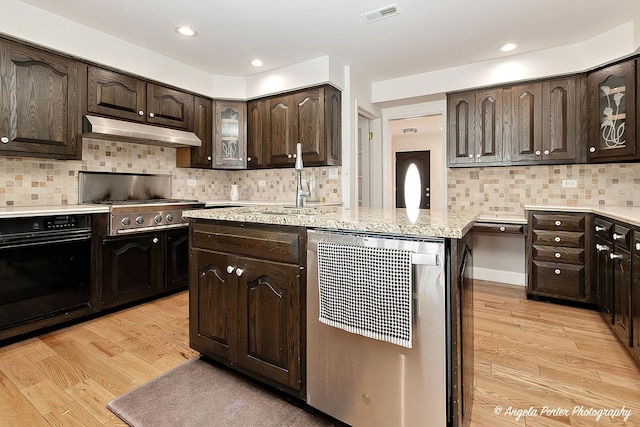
[{"x": 24, "y": 243}]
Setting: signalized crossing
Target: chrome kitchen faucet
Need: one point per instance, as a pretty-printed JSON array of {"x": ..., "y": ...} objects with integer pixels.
[{"x": 300, "y": 193}]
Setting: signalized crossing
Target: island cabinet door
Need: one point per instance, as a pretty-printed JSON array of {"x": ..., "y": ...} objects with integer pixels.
[
  {"x": 213, "y": 305},
  {"x": 635, "y": 294},
  {"x": 270, "y": 316}
]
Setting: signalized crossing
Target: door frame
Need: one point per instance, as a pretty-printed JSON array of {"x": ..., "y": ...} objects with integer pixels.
[{"x": 388, "y": 160}]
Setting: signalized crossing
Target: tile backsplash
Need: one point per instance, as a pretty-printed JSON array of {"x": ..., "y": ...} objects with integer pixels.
[
  {"x": 507, "y": 189},
  {"x": 30, "y": 181}
]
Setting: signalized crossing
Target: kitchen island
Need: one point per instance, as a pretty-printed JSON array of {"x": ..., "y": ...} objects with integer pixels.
[{"x": 248, "y": 291}]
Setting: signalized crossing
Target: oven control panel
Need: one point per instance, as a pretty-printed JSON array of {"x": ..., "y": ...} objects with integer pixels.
[{"x": 63, "y": 222}]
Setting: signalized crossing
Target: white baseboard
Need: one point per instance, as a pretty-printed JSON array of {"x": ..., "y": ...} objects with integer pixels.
[{"x": 510, "y": 277}]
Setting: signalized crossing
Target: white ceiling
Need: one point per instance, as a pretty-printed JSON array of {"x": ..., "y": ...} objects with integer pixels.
[{"x": 426, "y": 35}]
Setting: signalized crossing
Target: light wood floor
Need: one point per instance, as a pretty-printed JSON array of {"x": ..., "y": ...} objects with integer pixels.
[{"x": 528, "y": 355}]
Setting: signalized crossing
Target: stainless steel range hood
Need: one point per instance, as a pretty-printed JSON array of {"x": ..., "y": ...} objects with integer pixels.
[{"x": 120, "y": 130}]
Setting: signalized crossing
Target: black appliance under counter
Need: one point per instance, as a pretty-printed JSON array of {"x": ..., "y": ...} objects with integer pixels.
[{"x": 45, "y": 271}]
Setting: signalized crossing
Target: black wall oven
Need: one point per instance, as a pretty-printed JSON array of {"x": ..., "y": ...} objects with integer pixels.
[{"x": 45, "y": 270}]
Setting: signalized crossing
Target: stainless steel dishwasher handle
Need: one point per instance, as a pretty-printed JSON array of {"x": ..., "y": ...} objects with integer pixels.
[{"x": 424, "y": 259}]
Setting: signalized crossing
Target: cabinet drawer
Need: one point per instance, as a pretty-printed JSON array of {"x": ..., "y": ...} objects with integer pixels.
[
  {"x": 569, "y": 239},
  {"x": 558, "y": 254},
  {"x": 558, "y": 280},
  {"x": 264, "y": 242},
  {"x": 603, "y": 228},
  {"x": 558, "y": 222},
  {"x": 621, "y": 236}
]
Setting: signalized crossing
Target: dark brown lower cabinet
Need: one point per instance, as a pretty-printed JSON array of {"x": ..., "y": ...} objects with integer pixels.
[
  {"x": 635, "y": 295},
  {"x": 603, "y": 279},
  {"x": 621, "y": 264},
  {"x": 246, "y": 306},
  {"x": 143, "y": 265}
]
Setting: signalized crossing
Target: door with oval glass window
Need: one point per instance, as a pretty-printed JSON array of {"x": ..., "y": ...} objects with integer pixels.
[{"x": 412, "y": 179}]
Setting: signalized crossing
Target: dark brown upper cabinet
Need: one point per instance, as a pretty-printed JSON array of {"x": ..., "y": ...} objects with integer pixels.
[
  {"x": 311, "y": 117},
  {"x": 230, "y": 143},
  {"x": 126, "y": 97},
  {"x": 612, "y": 113},
  {"x": 255, "y": 133},
  {"x": 547, "y": 121},
  {"x": 475, "y": 122},
  {"x": 202, "y": 156},
  {"x": 39, "y": 114}
]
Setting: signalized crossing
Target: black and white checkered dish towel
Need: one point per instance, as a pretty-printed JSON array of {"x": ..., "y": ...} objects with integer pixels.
[{"x": 366, "y": 291}]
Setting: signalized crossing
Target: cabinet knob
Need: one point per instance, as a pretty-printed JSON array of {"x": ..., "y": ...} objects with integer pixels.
[
  {"x": 546, "y": 152},
  {"x": 209, "y": 158},
  {"x": 141, "y": 113},
  {"x": 557, "y": 271},
  {"x": 4, "y": 140},
  {"x": 592, "y": 149},
  {"x": 600, "y": 228},
  {"x": 601, "y": 248},
  {"x": 538, "y": 152},
  {"x": 618, "y": 236},
  {"x": 248, "y": 159},
  {"x": 239, "y": 272},
  {"x": 240, "y": 158},
  {"x": 230, "y": 269},
  {"x": 151, "y": 115},
  {"x": 154, "y": 240},
  {"x": 478, "y": 156},
  {"x": 615, "y": 256},
  {"x": 503, "y": 228},
  {"x": 558, "y": 223},
  {"x": 289, "y": 156},
  {"x": 637, "y": 246},
  {"x": 557, "y": 239},
  {"x": 471, "y": 156},
  {"x": 558, "y": 254}
]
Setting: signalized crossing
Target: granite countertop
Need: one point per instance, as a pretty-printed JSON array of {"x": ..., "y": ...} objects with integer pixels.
[
  {"x": 628, "y": 214},
  {"x": 393, "y": 221},
  {"x": 229, "y": 203},
  {"x": 24, "y": 211}
]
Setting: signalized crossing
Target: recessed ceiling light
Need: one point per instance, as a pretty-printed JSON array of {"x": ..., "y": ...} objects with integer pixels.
[
  {"x": 186, "y": 31},
  {"x": 508, "y": 47},
  {"x": 378, "y": 14},
  {"x": 256, "y": 63}
]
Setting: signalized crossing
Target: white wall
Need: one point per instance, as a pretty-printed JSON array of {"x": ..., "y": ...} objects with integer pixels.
[
  {"x": 610, "y": 45},
  {"x": 499, "y": 258}
]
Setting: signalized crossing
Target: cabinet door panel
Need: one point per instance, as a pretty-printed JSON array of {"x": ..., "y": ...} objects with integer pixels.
[
  {"x": 612, "y": 117},
  {"x": 603, "y": 288},
  {"x": 114, "y": 94},
  {"x": 333, "y": 126},
  {"x": 622, "y": 295},
  {"x": 255, "y": 134},
  {"x": 310, "y": 124},
  {"x": 38, "y": 103},
  {"x": 169, "y": 107},
  {"x": 635, "y": 294},
  {"x": 270, "y": 320},
  {"x": 461, "y": 139},
  {"x": 213, "y": 328},
  {"x": 281, "y": 130},
  {"x": 132, "y": 269},
  {"x": 559, "y": 120},
  {"x": 489, "y": 126},
  {"x": 230, "y": 143},
  {"x": 177, "y": 259},
  {"x": 526, "y": 122}
]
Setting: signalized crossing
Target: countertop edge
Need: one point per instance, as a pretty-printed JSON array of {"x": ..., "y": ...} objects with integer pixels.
[{"x": 30, "y": 211}]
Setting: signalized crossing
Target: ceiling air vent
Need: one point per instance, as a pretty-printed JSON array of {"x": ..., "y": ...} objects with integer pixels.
[{"x": 378, "y": 14}]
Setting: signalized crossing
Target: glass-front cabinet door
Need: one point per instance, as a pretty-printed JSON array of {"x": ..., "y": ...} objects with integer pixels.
[
  {"x": 612, "y": 107},
  {"x": 230, "y": 133}
]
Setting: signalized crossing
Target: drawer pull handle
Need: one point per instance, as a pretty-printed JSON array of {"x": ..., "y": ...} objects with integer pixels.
[
  {"x": 615, "y": 256},
  {"x": 503, "y": 228},
  {"x": 618, "y": 236},
  {"x": 4, "y": 140},
  {"x": 557, "y": 271},
  {"x": 557, "y": 239},
  {"x": 600, "y": 228},
  {"x": 558, "y": 223},
  {"x": 637, "y": 246},
  {"x": 601, "y": 248},
  {"x": 558, "y": 255}
]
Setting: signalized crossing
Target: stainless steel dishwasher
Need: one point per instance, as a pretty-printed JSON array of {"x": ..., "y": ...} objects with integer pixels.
[{"x": 366, "y": 382}]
